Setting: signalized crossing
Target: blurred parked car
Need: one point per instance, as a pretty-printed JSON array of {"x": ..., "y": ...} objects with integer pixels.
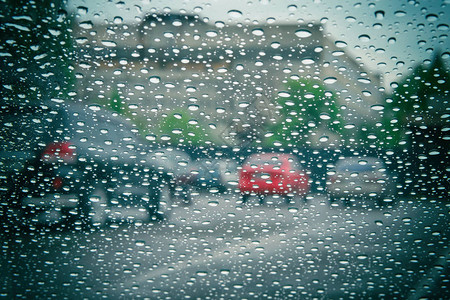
[
  {"x": 208, "y": 176},
  {"x": 228, "y": 172},
  {"x": 62, "y": 162},
  {"x": 178, "y": 169},
  {"x": 273, "y": 174},
  {"x": 361, "y": 177}
]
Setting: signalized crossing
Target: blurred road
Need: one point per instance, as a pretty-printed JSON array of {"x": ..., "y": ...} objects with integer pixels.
[{"x": 217, "y": 248}]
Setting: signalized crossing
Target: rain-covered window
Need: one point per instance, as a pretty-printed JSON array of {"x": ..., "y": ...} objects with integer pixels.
[{"x": 224, "y": 149}]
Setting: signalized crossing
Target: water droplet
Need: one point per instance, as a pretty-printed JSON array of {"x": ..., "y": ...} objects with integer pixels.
[
  {"x": 364, "y": 38},
  {"x": 81, "y": 40},
  {"x": 392, "y": 40},
  {"x": 193, "y": 107},
  {"x": 311, "y": 124},
  {"x": 168, "y": 35},
  {"x": 349, "y": 126},
  {"x": 150, "y": 137},
  {"x": 442, "y": 27},
  {"x": 364, "y": 80},
  {"x": 284, "y": 94},
  {"x": 379, "y": 14},
  {"x": 220, "y": 24},
  {"x": 307, "y": 61},
  {"x": 213, "y": 203},
  {"x": 234, "y": 13},
  {"x": 330, "y": 80},
  {"x": 202, "y": 273},
  {"x": 54, "y": 32},
  {"x": 292, "y": 7},
  {"x": 361, "y": 257},
  {"x": 140, "y": 243},
  {"x": 139, "y": 87},
  {"x": 270, "y": 20},
  {"x": 86, "y": 25},
  {"x": 177, "y": 23},
  {"x": 82, "y": 10},
  {"x": 379, "y": 223},
  {"x": 94, "y": 107},
  {"x": 191, "y": 89},
  {"x": 303, "y": 33},
  {"x": 258, "y": 32},
  {"x": 337, "y": 53},
  {"x": 400, "y": 13},
  {"x": 275, "y": 45},
  {"x": 220, "y": 110},
  {"x": 341, "y": 44},
  {"x": 325, "y": 116},
  {"x": 377, "y": 107},
  {"x": 432, "y": 17},
  {"x": 118, "y": 20},
  {"x": 211, "y": 33},
  {"x": 154, "y": 79},
  {"x": 323, "y": 139}
]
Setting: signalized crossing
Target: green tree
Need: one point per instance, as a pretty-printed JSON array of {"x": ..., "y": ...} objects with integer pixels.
[
  {"x": 117, "y": 104},
  {"x": 306, "y": 106},
  {"x": 36, "y": 48},
  {"x": 178, "y": 128},
  {"x": 420, "y": 98}
]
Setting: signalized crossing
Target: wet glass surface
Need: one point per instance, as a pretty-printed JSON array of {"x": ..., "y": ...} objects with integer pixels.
[{"x": 144, "y": 149}]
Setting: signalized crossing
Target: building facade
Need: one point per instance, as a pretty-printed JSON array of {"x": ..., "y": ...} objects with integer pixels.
[{"x": 216, "y": 72}]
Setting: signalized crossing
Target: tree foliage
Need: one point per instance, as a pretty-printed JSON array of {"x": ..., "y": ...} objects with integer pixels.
[
  {"x": 178, "y": 128},
  {"x": 422, "y": 92},
  {"x": 420, "y": 98},
  {"x": 306, "y": 107}
]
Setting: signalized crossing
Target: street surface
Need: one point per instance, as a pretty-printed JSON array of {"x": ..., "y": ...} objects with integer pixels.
[{"x": 217, "y": 248}]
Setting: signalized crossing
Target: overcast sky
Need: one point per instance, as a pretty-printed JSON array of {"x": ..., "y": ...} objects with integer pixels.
[{"x": 388, "y": 35}]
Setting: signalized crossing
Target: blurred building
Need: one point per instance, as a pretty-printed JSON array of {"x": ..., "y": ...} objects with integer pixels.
[{"x": 215, "y": 71}]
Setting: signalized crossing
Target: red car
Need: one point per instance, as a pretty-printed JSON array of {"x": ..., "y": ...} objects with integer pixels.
[{"x": 273, "y": 174}]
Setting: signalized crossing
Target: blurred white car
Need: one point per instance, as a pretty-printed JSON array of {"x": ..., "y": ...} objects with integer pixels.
[
  {"x": 360, "y": 177},
  {"x": 228, "y": 170}
]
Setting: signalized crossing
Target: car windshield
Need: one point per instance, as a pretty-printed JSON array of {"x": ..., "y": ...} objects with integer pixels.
[{"x": 207, "y": 149}]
